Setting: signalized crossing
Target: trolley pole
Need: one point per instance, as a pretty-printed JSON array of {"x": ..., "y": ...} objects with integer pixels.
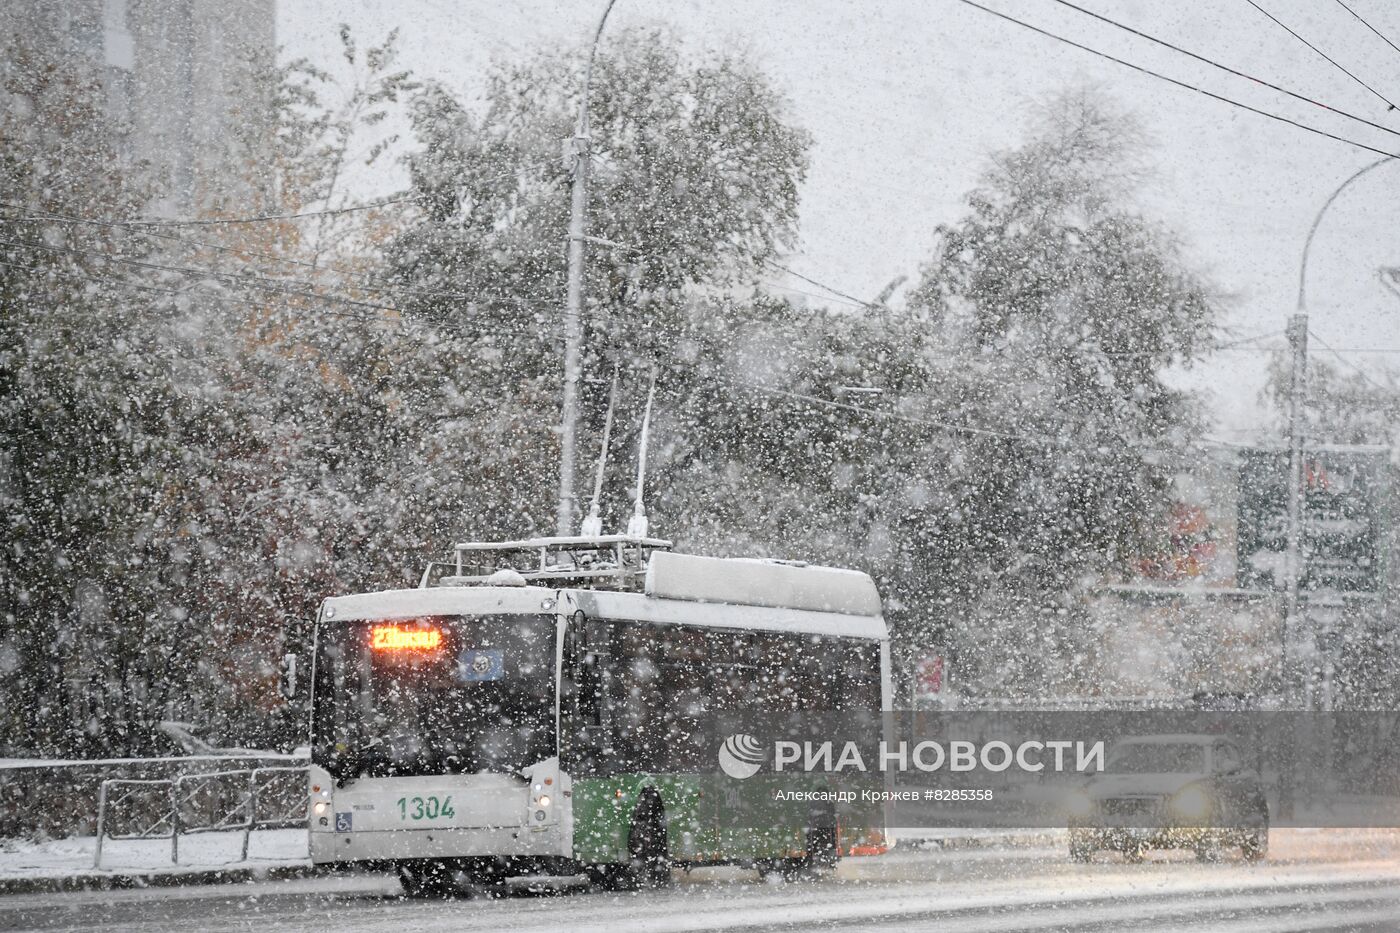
[{"x": 573, "y": 307}]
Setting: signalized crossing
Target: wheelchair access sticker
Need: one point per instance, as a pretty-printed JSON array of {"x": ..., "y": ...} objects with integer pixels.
[
  {"x": 479, "y": 664},
  {"x": 343, "y": 822}
]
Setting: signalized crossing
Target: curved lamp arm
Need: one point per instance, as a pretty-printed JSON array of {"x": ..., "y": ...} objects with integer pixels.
[{"x": 1317, "y": 221}]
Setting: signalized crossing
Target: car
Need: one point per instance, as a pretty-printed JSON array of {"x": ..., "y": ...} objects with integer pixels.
[{"x": 1171, "y": 792}]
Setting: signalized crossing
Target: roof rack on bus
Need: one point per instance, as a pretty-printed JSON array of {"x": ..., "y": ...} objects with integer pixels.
[{"x": 618, "y": 561}]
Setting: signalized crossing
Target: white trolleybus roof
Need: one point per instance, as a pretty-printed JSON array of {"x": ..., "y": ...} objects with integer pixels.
[{"x": 625, "y": 577}]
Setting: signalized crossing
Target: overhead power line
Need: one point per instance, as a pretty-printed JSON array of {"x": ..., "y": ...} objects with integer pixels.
[
  {"x": 177, "y": 292},
  {"x": 1228, "y": 70},
  {"x": 453, "y": 326},
  {"x": 1384, "y": 39},
  {"x": 1238, "y": 345},
  {"x": 811, "y": 281},
  {"x": 1386, "y": 351},
  {"x": 1346, "y": 362},
  {"x": 1336, "y": 64},
  {"x": 1179, "y": 83},
  {"x": 266, "y": 218},
  {"x": 45, "y": 216},
  {"x": 824, "y": 296},
  {"x": 370, "y": 286},
  {"x": 1246, "y": 340},
  {"x": 266, "y": 284},
  {"x": 895, "y": 416},
  {"x": 293, "y": 215},
  {"x": 273, "y": 285}
]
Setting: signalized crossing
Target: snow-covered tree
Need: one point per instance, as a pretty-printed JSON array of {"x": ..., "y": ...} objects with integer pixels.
[
  {"x": 90, "y": 413},
  {"x": 695, "y": 179},
  {"x": 1047, "y": 317}
]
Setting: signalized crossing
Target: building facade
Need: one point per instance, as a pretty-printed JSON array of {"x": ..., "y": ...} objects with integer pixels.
[{"x": 185, "y": 83}]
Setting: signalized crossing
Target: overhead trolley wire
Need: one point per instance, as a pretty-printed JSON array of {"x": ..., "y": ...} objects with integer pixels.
[
  {"x": 1384, "y": 38},
  {"x": 1179, "y": 83},
  {"x": 1319, "y": 51},
  {"x": 1228, "y": 70}
]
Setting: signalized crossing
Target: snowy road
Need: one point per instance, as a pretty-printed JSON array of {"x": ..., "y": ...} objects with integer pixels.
[{"x": 1330, "y": 881}]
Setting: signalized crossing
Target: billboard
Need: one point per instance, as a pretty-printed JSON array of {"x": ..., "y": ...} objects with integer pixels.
[
  {"x": 1194, "y": 542},
  {"x": 1344, "y": 519}
]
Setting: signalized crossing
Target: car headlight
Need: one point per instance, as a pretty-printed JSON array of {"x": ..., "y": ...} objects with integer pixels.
[
  {"x": 1079, "y": 805},
  {"x": 1192, "y": 803}
]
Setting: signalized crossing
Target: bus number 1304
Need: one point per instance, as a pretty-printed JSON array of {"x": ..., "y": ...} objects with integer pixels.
[{"x": 425, "y": 808}]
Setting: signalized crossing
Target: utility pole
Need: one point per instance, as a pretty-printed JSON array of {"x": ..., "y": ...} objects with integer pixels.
[
  {"x": 1297, "y": 411},
  {"x": 1293, "y": 563},
  {"x": 578, "y": 152}
]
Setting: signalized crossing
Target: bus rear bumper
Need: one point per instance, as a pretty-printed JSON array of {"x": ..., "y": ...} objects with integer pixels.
[{"x": 438, "y": 843}]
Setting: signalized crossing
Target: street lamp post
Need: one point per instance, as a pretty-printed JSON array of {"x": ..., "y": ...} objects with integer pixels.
[
  {"x": 1297, "y": 399},
  {"x": 573, "y": 308}
]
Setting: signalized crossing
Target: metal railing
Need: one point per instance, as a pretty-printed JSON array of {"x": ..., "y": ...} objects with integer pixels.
[
  {"x": 195, "y": 794},
  {"x": 190, "y": 804},
  {"x": 294, "y": 803},
  {"x": 145, "y": 830}
]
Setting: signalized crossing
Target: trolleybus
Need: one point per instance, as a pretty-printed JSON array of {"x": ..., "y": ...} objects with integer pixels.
[{"x": 526, "y": 709}]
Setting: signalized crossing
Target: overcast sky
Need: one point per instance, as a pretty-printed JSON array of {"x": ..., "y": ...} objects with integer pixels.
[{"x": 906, "y": 100}]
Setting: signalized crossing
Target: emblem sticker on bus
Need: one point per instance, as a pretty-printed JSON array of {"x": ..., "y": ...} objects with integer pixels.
[{"x": 478, "y": 664}]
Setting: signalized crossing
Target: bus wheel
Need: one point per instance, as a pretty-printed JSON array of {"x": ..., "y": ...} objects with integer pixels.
[
  {"x": 484, "y": 883},
  {"x": 610, "y": 877},
  {"x": 426, "y": 878},
  {"x": 786, "y": 869},
  {"x": 820, "y": 859},
  {"x": 648, "y": 862},
  {"x": 648, "y": 855}
]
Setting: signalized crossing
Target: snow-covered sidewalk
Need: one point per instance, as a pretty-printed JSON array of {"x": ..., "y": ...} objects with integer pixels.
[
  {"x": 202, "y": 854},
  {"x": 69, "y": 862}
]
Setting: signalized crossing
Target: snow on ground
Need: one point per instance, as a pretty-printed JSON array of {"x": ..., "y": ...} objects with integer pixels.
[
  {"x": 1314, "y": 879},
  {"x": 203, "y": 852},
  {"x": 200, "y": 852},
  {"x": 1327, "y": 880}
]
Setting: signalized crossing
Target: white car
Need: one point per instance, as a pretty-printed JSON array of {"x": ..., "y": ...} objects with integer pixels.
[{"x": 1171, "y": 792}]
